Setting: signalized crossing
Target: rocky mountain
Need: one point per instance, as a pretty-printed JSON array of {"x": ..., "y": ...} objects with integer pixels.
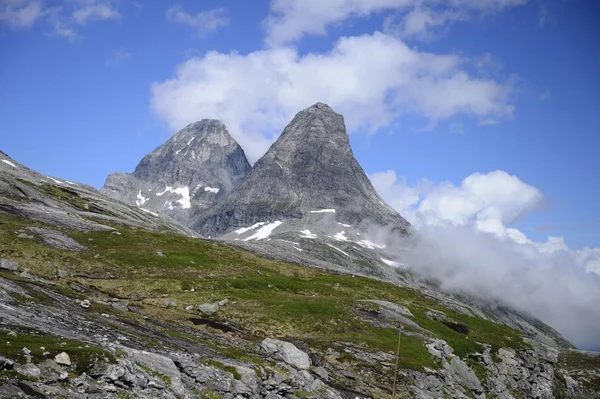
[
  {"x": 194, "y": 168},
  {"x": 309, "y": 169}
]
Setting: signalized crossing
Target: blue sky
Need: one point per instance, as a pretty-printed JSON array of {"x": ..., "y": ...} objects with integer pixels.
[
  {"x": 478, "y": 120},
  {"x": 78, "y": 102}
]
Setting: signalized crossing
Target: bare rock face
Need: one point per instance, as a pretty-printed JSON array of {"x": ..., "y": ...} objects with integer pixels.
[
  {"x": 310, "y": 167},
  {"x": 195, "y": 168}
]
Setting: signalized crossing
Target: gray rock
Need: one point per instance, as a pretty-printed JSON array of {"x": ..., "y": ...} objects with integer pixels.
[
  {"x": 8, "y": 265},
  {"x": 463, "y": 374},
  {"x": 223, "y": 302},
  {"x": 62, "y": 273},
  {"x": 28, "y": 370},
  {"x": 56, "y": 239},
  {"x": 169, "y": 303},
  {"x": 85, "y": 304},
  {"x": 208, "y": 308},
  {"x": 5, "y": 363},
  {"x": 287, "y": 352},
  {"x": 63, "y": 358}
]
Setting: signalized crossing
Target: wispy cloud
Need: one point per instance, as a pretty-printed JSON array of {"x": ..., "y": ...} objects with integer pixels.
[
  {"x": 119, "y": 57},
  {"x": 203, "y": 23},
  {"x": 20, "y": 13},
  {"x": 290, "y": 20},
  {"x": 94, "y": 11},
  {"x": 63, "y": 19}
]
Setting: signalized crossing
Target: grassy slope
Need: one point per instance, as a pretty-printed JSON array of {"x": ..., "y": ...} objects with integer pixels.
[{"x": 267, "y": 298}]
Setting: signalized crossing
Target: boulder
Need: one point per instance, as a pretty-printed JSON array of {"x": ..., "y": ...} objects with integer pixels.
[
  {"x": 8, "y": 265},
  {"x": 208, "y": 308},
  {"x": 287, "y": 352},
  {"x": 63, "y": 358},
  {"x": 28, "y": 370},
  {"x": 62, "y": 273}
]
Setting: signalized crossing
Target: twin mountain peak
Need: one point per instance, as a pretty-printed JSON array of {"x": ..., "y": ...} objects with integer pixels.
[{"x": 201, "y": 177}]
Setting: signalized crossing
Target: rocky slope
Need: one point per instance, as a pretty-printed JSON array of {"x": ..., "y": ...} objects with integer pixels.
[{"x": 194, "y": 168}]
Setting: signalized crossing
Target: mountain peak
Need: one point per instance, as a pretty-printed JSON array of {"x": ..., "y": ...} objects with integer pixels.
[
  {"x": 195, "y": 167},
  {"x": 310, "y": 167}
]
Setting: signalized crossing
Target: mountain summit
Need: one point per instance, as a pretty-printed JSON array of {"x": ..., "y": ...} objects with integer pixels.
[
  {"x": 195, "y": 167},
  {"x": 310, "y": 168}
]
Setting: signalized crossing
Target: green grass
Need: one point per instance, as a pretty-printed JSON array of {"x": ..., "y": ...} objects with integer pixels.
[
  {"x": 284, "y": 300},
  {"x": 82, "y": 355}
]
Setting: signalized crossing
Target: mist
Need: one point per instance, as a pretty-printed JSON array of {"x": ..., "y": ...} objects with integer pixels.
[{"x": 551, "y": 286}]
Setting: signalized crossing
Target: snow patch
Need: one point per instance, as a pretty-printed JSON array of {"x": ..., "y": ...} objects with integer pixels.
[
  {"x": 54, "y": 180},
  {"x": 211, "y": 189},
  {"x": 245, "y": 229},
  {"x": 324, "y": 211},
  {"x": 369, "y": 244},
  {"x": 337, "y": 249},
  {"x": 141, "y": 200},
  {"x": 184, "y": 192},
  {"x": 185, "y": 197},
  {"x": 264, "y": 232},
  {"x": 70, "y": 182},
  {"x": 290, "y": 242},
  {"x": 341, "y": 236},
  {"x": 299, "y": 249},
  {"x": 9, "y": 163},
  {"x": 190, "y": 142},
  {"x": 307, "y": 234},
  {"x": 344, "y": 225},
  {"x": 390, "y": 262},
  {"x": 150, "y": 212},
  {"x": 168, "y": 188}
]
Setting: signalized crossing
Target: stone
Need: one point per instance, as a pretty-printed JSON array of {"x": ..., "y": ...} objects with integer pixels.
[
  {"x": 321, "y": 372},
  {"x": 6, "y": 363},
  {"x": 28, "y": 370},
  {"x": 159, "y": 363},
  {"x": 169, "y": 303},
  {"x": 189, "y": 308},
  {"x": 25, "y": 351},
  {"x": 61, "y": 273},
  {"x": 56, "y": 239},
  {"x": 208, "y": 308},
  {"x": 77, "y": 287},
  {"x": 223, "y": 302},
  {"x": 85, "y": 304},
  {"x": 63, "y": 358},
  {"x": 287, "y": 352},
  {"x": 8, "y": 265}
]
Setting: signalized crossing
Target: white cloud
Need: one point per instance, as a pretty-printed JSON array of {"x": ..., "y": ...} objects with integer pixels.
[
  {"x": 61, "y": 18},
  {"x": 290, "y": 20},
  {"x": 94, "y": 11},
  {"x": 371, "y": 79},
  {"x": 464, "y": 240},
  {"x": 20, "y": 13},
  {"x": 203, "y": 22}
]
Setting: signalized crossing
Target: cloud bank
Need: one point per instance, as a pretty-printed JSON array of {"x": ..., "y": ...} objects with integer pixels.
[{"x": 464, "y": 241}]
